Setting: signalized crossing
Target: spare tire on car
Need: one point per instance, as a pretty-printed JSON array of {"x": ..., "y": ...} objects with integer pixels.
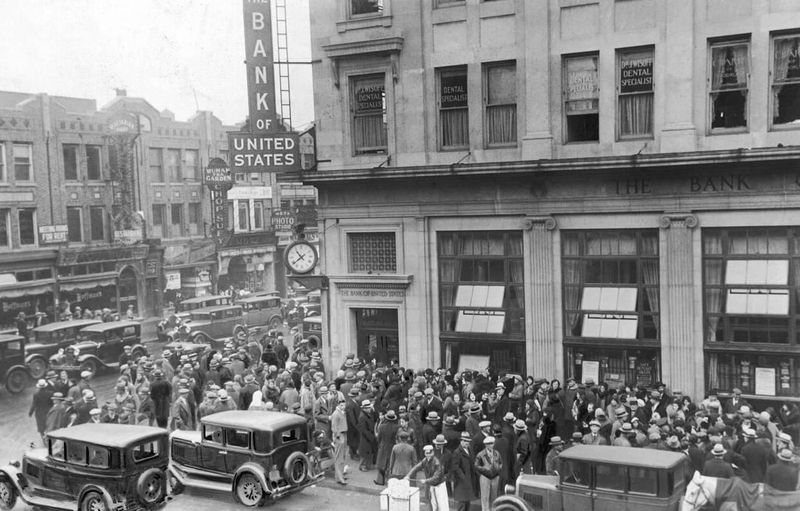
[
  {"x": 150, "y": 486},
  {"x": 295, "y": 470}
]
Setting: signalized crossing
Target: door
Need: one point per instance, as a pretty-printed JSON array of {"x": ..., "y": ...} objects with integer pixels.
[
  {"x": 238, "y": 446},
  {"x": 610, "y": 487},
  {"x": 377, "y": 334},
  {"x": 212, "y": 450},
  {"x": 111, "y": 347},
  {"x": 576, "y": 485}
]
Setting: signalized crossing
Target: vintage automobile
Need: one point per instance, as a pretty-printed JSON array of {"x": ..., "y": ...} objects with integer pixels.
[
  {"x": 201, "y": 302},
  {"x": 13, "y": 371},
  {"x": 603, "y": 478},
  {"x": 46, "y": 340},
  {"x": 191, "y": 349},
  {"x": 312, "y": 330},
  {"x": 256, "y": 455},
  {"x": 100, "y": 346},
  {"x": 211, "y": 324},
  {"x": 262, "y": 310},
  {"x": 91, "y": 467}
]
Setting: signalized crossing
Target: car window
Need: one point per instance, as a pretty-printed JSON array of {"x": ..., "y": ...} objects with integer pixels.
[
  {"x": 99, "y": 457},
  {"x": 76, "y": 453},
  {"x": 145, "y": 451},
  {"x": 237, "y": 438},
  {"x": 677, "y": 476},
  {"x": 261, "y": 441},
  {"x": 643, "y": 480},
  {"x": 610, "y": 477},
  {"x": 289, "y": 435},
  {"x": 57, "y": 449},
  {"x": 13, "y": 348},
  {"x": 129, "y": 331},
  {"x": 212, "y": 433},
  {"x": 576, "y": 473}
]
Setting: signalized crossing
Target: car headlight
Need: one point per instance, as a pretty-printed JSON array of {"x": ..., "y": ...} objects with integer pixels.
[{"x": 509, "y": 489}]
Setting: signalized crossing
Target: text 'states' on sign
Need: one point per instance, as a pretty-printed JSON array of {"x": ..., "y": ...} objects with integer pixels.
[
  {"x": 218, "y": 174},
  {"x": 259, "y": 63},
  {"x": 274, "y": 152}
]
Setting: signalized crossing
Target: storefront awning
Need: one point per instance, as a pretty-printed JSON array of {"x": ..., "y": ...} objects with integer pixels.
[
  {"x": 87, "y": 284},
  {"x": 19, "y": 292}
]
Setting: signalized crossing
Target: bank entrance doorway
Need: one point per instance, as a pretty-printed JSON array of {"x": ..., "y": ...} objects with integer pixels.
[{"x": 377, "y": 334}]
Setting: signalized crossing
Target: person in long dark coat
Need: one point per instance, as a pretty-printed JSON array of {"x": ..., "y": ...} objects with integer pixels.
[
  {"x": 547, "y": 431},
  {"x": 366, "y": 441},
  {"x": 387, "y": 432},
  {"x": 57, "y": 416},
  {"x": 783, "y": 474},
  {"x": 40, "y": 406},
  {"x": 463, "y": 474},
  {"x": 161, "y": 394},
  {"x": 758, "y": 457},
  {"x": 351, "y": 413},
  {"x": 522, "y": 450},
  {"x": 505, "y": 448},
  {"x": 403, "y": 456}
]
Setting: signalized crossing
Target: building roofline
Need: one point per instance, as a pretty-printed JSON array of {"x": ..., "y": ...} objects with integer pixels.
[{"x": 695, "y": 159}]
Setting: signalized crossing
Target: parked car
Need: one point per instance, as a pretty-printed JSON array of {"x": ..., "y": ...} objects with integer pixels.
[
  {"x": 256, "y": 455},
  {"x": 312, "y": 330},
  {"x": 191, "y": 349},
  {"x": 262, "y": 310},
  {"x": 13, "y": 371},
  {"x": 603, "y": 477},
  {"x": 91, "y": 467},
  {"x": 211, "y": 324},
  {"x": 46, "y": 340},
  {"x": 100, "y": 347}
]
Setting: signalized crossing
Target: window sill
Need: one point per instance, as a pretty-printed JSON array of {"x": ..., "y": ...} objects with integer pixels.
[
  {"x": 449, "y": 13},
  {"x": 632, "y": 138},
  {"x": 751, "y": 347},
  {"x": 368, "y": 21},
  {"x": 454, "y": 149},
  {"x": 789, "y": 126},
  {"x": 511, "y": 145},
  {"x": 728, "y": 131},
  {"x": 585, "y": 142}
]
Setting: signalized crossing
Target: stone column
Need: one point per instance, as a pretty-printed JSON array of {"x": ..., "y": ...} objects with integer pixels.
[
  {"x": 682, "y": 360},
  {"x": 544, "y": 354}
]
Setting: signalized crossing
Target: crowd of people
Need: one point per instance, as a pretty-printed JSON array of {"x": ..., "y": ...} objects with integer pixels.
[{"x": 461, "y": 435}]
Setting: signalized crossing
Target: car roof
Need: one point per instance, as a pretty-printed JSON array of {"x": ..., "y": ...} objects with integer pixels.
[
  {"x": 258, "y": 298},
  {"x": 110, "y": 325},
  {"x": 10, "y": 337},
  {"x": 200, "y": 299},
  {"x": 215, "y": 308},
  {"x": 108, "y": 435},
  {"x": 58, "y": 325},
  {"x": 623, "y": 455},
  {"x": 254, "y": 419},
  {"x": 312, "y": 319}
]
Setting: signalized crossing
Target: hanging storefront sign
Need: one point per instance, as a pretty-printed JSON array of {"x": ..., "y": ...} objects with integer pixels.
[
  {"x": 217, "y": 176},
  {"x": 172, "y": 279},
  {"x": 260, "y": 66}
]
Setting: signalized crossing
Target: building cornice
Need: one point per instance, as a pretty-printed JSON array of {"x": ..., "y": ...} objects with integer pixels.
[
  {"x": 371, "y": 281},
  {"x": 364, "y": 46},
  {"x": 690, "y": 160}
]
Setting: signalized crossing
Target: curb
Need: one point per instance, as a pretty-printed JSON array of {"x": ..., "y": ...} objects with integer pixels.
[{"x": 331, "y": 484}]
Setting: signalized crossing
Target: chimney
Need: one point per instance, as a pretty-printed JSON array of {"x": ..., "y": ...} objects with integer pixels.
[{"x": 121, "y": 92}]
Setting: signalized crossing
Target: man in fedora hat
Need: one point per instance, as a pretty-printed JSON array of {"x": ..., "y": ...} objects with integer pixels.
[
  {"x": 717, "y": 466},
  {"x": 462, "y": 473},
  {"x": 161, "y": 393},
  {"x": 387, "y": 432},
  {"x": 434, "y": 479},
  {"x": 783, "y": 474},
  {"x": 624, "y": 435},
  {"x": 551, "y": 461},
  {"x": 523, "y": 461},
  {"x": 367, "y": 442},
  {"x": 758, "y": 456},
  {"x": 40, "y": 406},
  {"x": 594, "y": 437},
  {"x": 444, "y": 456},
  {"x": 57, "y": 416},
  {"x": 489, "y": 464},
  {"x": 431, "y": 428}
]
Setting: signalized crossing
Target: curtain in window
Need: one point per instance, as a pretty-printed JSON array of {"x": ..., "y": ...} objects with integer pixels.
[
  {"x": 787, "y": 59},
  {"x": 455, "y": 127},
  {"x": 729, "y": 67},
  {"x": 573, "y": 285},
  {"x": 502, "y": 124},
  {"x": 369, "y": 132},
  {"x": 636, "y": 114},
  {"x": 516, "y": 270},
  {"x": 650, "y": 275},
  {"x": 713, "y": 277}
]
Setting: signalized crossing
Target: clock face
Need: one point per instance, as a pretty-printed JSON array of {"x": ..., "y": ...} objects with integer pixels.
[{"x": 301, "y": 257}]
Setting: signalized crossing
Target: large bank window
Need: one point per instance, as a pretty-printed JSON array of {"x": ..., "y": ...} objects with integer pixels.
[
  {"x": 750, "y": 278},
  {"x": 611, "y": 305},
  {"x": 481, "y": 282}
]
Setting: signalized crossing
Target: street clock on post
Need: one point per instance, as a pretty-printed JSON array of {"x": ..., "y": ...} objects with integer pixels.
[{"x": 301, "y": 257}]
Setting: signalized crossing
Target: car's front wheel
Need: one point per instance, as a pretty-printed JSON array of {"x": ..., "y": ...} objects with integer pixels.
[
  {"x": 150, "y": 486},
  {"x": 8, "y": 494},
  {"x": 89, "y": 365},
  {"x": 93, "y": 501},
  {"x": 16, "y": 380},
  {"x": 249, "y": 490},
  {"x": 38, "y": 368},
  {"x": 276, "y": 322}
]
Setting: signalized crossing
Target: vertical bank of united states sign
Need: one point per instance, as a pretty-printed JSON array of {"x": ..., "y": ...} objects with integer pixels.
[{"x": 266, "y": 147}]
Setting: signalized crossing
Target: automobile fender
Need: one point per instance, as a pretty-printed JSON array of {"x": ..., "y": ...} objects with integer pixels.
[
  {"x": 99, "y": 489},
  {"x": 15, "y": 476},
  {"x": 15, "y": 367},
  {"x": 255, "y": 469},
  {"x": 509, "y": 503},
  {"x": 139, "y": 346},
  {"x": 88, "y": 356},
  {"x": 34, "y": 356}
]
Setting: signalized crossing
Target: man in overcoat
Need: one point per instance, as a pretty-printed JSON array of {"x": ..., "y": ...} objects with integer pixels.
[
  {"x": 367, "y": 442},
  {"x": 387, "y": 432},
  {"x": 463, "y": 474}
]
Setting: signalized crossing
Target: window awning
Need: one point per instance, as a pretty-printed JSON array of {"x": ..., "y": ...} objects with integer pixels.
[
  {"x": 90, "y": 284},
  {"x": 19, "y": 292}
]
